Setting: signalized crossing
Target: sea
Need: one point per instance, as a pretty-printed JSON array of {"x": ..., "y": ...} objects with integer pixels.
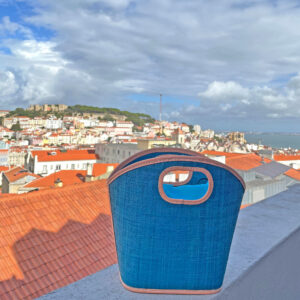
[{"x": 275, "y": 140}]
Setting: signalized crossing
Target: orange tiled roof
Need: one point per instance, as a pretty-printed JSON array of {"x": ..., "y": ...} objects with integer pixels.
[
  {"x": 67, "y": 177},
  {"x": 51, "y": 238},
  {"x": 245, "y": 162},
  {"x": 17, "y": 173},
  {"x": 3, "y": 168},
  {"x": 100, "y": 169},
  {"x": 282, "y": 157},
  {"x": 295, "y": 174},
  {"x": 45, "y": 155}
]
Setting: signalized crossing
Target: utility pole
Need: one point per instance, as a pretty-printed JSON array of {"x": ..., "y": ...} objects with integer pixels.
[
  {"x": 160, "y": 106},
  {"x": 160, "y": 111}
]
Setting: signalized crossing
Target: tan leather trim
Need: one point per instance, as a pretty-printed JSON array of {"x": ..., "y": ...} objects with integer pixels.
[
  {"x": 183, "y": 201},
  {"x": 166, "y": 158},
  {"x": 174, "y": 292},
  {"x": 144, "y": 152}
]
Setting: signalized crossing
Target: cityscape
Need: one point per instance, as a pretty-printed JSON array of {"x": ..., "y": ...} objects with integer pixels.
[
  {"x": 63, "y": 146},
  {"x": 149, "y": 150}
]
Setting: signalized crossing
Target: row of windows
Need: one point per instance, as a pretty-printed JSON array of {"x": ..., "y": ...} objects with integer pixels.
[
  {"x": 67, "y": 167},
  {"x": 117, "y": 152}
]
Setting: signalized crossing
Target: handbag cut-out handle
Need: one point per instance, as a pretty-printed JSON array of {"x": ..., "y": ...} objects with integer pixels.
[{"x": 191, "y": 171}]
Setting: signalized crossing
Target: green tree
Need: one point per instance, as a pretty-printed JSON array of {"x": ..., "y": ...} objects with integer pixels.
[{"x": 16, "y": 127}]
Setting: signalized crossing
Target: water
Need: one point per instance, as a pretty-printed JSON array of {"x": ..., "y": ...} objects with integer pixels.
[{"x": 275, "y": 140}]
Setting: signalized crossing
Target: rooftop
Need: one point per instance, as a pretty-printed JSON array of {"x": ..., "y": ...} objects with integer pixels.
[
  {"x": 51, "y": 238},
  {"x": 246, "y": 162},
  {"x": 17, "y": 173},
  {"x": 263, "y": 264},
  {"x": 295, "y": 174},
  {"x": 67, "y": 177},
  {"x": 272, "y": 169},
  {"x": 283, "y": 157},
  {"x": 48, "y": 155}
]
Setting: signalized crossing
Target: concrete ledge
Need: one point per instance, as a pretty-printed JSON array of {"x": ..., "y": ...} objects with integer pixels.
[{"x": 263, "y": 264}]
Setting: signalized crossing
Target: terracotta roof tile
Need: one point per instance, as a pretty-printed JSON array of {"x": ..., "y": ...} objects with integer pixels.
[
  {"x": 245, "y": 162},
  {"x": 17, "y": 173},
  {"x": 45, "y": 155},
  {"x": 295, "y": 174},
  {"x": 101, "y": 168},
  {"x": 3, "y": 168},
  {"x": 67, "y": 177},
  {"x": 54, "y": 237},
  {"x": 283, "y": 157}
]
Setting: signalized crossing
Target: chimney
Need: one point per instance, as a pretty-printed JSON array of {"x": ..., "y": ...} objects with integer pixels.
[
  {"x": 89, "y": 173},
  {"x": 58, "y": 183}
]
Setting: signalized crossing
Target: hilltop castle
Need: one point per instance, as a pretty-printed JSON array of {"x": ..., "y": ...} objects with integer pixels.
[{"x": 47, "y": 107}]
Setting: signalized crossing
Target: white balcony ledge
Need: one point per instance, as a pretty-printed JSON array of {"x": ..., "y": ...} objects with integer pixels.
[{"x": 264, "y": 261}]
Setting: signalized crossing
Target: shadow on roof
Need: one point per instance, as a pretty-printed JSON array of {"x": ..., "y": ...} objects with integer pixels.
[{"x": 50, "y": 260}]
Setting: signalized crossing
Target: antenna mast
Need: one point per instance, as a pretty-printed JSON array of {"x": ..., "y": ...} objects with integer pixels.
[{"x": 160, "y": 106}]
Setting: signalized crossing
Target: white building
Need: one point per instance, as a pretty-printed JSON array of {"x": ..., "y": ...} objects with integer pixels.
[
  {"x": 292, "y": 161},
  {"x": 197, "y": 128},
  {"x": 53, "y": 123},
  {"x": 45, "y": 162}
]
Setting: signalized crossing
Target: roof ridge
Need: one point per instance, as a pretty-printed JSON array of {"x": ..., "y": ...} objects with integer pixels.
[{"x": 46, "y": 190}]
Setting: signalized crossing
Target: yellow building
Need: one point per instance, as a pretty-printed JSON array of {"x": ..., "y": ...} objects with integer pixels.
[{"x": 237, "y": 137}]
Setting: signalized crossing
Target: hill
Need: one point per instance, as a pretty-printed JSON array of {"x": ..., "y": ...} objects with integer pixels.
[{"x": 107, "y": 113}]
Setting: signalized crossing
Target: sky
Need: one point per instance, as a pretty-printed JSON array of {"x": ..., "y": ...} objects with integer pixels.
[{"x": 223, "y": 64}]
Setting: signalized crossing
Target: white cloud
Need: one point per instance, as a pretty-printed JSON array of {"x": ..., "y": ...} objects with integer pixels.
[
  {"x": 7, "y": 27},
  {"x": 225, "y": 90},
  {"x": 8, "y": 85},
  {"x": 234, "y": 54}
]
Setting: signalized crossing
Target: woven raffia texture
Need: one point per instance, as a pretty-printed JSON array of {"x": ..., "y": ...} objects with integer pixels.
[{"x": 168, "y": 246}]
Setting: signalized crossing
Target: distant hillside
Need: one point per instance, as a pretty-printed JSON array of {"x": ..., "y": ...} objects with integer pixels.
[{"x": 138, "y": 119}]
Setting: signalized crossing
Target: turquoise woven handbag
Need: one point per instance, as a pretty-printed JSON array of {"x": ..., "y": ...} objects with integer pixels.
[{"x": 174, "y": 236}]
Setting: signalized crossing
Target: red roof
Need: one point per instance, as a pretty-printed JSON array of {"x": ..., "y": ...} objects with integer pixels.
[
  {"x": 67, "y": 177},
  {"x": 295, "y": 174},
  {"x": 100, "y": 169},
  {"x": 3, "y": 168},
  {"x": 245, "y": 162},
  {"x": 45, "y": 155},
  {"x": 282, "y": 157},
  {"x": 51, "y": 238},
  {"x": 17, "y": 173}
]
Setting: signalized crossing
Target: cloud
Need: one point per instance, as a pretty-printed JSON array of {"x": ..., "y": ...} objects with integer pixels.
[
  {"x": 7, "y": 27},
  {"x": 232, "y": 103},
  {"x": 233, "y": 54},
  {"x": 225, "y": 90},
  {"x": 8, "y": 86}
]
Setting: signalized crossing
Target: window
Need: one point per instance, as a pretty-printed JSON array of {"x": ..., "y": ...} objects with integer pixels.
[
  {"x": 73, "y": 166},
  {"x": 58, "y": 167},
  {"x": 84, "y": 166},
  {"x": 44, "y": 169}
]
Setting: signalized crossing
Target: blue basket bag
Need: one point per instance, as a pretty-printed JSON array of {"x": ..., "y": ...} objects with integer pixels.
[{"x": 174, "y": 236}]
